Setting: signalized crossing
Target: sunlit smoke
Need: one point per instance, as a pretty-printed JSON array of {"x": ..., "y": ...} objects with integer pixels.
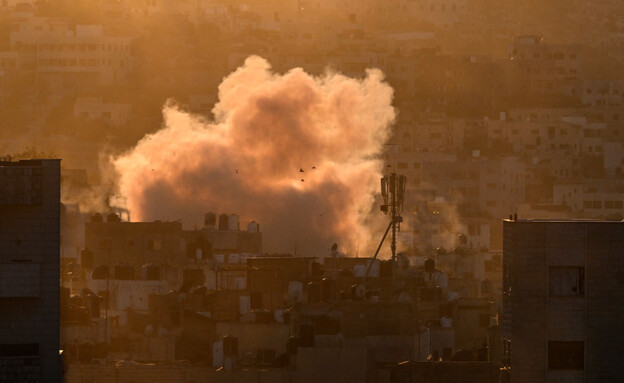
[{"x": 298, "y": 154}]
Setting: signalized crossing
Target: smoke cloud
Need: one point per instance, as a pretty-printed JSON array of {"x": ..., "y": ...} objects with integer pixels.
[{"x": 299, "y": 154}]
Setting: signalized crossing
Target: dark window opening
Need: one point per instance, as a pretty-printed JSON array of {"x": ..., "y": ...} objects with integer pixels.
[
  {"x": 19, "y": 350},
  {"x": 566, "y": 355}
]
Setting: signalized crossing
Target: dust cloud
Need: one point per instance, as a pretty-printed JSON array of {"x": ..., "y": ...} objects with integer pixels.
[{"x": 299, "y": 154}]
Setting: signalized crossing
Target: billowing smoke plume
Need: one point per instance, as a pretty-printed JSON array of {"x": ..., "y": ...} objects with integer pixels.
[{"x": 298, "y": 154}]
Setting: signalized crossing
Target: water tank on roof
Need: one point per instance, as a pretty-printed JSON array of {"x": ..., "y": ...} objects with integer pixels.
[
  {"x": 85, "y": 352},
  {"x": 441, "y": 280},
  {"x": 233, "y": 222},
  {"x": 428, "y": 294},
  {"x": 253, "y": 227},
  {"x": 306, "y": 335},
  {"x": 292, "y": 345},
  {"x": 386, "y": 269},
  {"x": 97, "y": 217},
  {"x": 124, "y": 272},
  {"x": 86, "y": 258},
  {"x": 100, "y": 272},
  {"x": 77, "y": 300},
  {"x": 315, "y": 269},
  {"x": 295, "y": 291},
  {"x": 373, "y": 268},
  {"x": 262, "y": 316},
  {"x": 243, "y": 304},
  {"x": 240, "y": 283},
  {"x": 286, "y": 314},
  {"x": 255, "y": 300},
  {"x": 217, "y": 354},
  {"x": 230, "y": 345},
  {"x": 359, "y": 271},
  {"x": 150, "y": 272},
  {"x": 223, "y": 222},
  {"x": 314, "y": 292},
  {"x": 210, "y": 220},
  {"x": 329, "y": 290},
  {"x": 113, "y": 217},
  {"x": 278, "y": 316},
  {"x": 429, "y": 265},
  {"x": 358, "y": 291}
]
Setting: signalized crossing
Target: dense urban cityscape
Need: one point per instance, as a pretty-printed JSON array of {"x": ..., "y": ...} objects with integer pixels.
[{"x": 311, "y": 190}]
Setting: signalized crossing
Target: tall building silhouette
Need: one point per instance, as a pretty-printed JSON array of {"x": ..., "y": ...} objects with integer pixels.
[
  {"x": 29, "y": 271},
  {"x": 563, "y": 288}
]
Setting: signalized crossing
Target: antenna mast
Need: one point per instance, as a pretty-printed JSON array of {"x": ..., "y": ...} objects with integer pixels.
[{"x": 393, "y": 192}]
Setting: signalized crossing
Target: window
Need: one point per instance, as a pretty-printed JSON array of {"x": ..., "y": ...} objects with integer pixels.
[
  {"x": 154, "y": 244},
  {"x": 19, "y": 350},
  {"x": 402, "y": 165},
  {"x": 566, "y": 281},
  {"x": 566, "y": 355}
]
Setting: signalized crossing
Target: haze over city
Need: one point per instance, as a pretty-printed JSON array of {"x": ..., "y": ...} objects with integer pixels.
[{"x": 311, "y": 190}]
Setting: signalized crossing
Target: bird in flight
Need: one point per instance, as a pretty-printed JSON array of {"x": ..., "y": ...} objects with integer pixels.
[
  {"x": 300, "y": 170},
  {"x": 302, "y": 180}
]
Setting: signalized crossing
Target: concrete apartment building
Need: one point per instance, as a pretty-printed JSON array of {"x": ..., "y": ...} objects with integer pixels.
[
  {"x": 591, "y": 198},
  {"x": 94, "y": 108},
  {"x": 562, "y": 286},
  {"x": 29, "y": 271},
  {"x": 546, "y": 68},
  {"x": 67, "y": 57},
  {"x": 137, "y": 243}
]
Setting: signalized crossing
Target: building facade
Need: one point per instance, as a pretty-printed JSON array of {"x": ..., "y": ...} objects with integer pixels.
[
  {"x": 562, "y": 286},
  {"x": 29, "y": 271}
]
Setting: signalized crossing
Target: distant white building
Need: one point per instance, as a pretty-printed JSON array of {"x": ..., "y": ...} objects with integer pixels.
[{"x": 93, "y": 108}]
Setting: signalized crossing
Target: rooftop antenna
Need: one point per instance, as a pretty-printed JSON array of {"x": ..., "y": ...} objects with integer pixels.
[{"x": 393, "y": 193}]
